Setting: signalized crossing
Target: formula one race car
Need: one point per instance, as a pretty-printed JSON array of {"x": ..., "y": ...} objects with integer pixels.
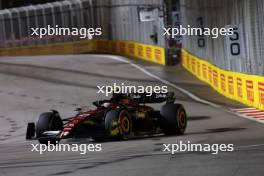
[{"x": 122, "y": 116}]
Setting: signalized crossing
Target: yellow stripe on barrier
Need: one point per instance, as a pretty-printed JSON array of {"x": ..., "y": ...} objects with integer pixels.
[
  {"x": 245, "y": 88},
  {"x": 126, "y": 48},
  {"x": 134, "y": 49}
]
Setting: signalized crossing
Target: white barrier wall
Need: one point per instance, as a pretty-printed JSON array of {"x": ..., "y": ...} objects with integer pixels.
[
  {"x": 242, "y": 52},
  {"x": 126, "y": 25},
  {"x": 119, "y": 20}
]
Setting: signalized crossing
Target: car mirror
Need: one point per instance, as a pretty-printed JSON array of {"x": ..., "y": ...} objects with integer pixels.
[{"x": 96, "y": 103}]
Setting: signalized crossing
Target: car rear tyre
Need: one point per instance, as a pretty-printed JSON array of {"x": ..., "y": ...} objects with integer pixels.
[
  {"x": 118, "y": 123},
  {"x": 173, "y": 119},
  {"x": 48, "y": 121},
  {"x": 30, "y": 131}
]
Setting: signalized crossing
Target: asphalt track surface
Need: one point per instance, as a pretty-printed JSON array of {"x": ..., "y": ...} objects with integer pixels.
[{"x": 30, "y": 85}]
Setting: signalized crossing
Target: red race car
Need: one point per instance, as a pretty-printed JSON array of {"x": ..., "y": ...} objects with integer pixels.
[{"x": 120, "y": 117}]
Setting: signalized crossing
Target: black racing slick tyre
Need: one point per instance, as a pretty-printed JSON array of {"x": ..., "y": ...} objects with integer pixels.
[
  {"x": 173, "y": 119},
  {"x": 48, "y": 121},
  {"x": 30, "y": 131},
  {"x": 118, "y": 123}
]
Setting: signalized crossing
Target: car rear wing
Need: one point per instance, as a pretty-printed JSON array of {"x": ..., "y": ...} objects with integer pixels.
[{"x": 154, "y": 98}]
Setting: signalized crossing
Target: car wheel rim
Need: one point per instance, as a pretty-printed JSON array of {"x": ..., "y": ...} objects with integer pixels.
[
  {"x": 124, "y": 124},
  {"x": 182, "y": 120}
]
